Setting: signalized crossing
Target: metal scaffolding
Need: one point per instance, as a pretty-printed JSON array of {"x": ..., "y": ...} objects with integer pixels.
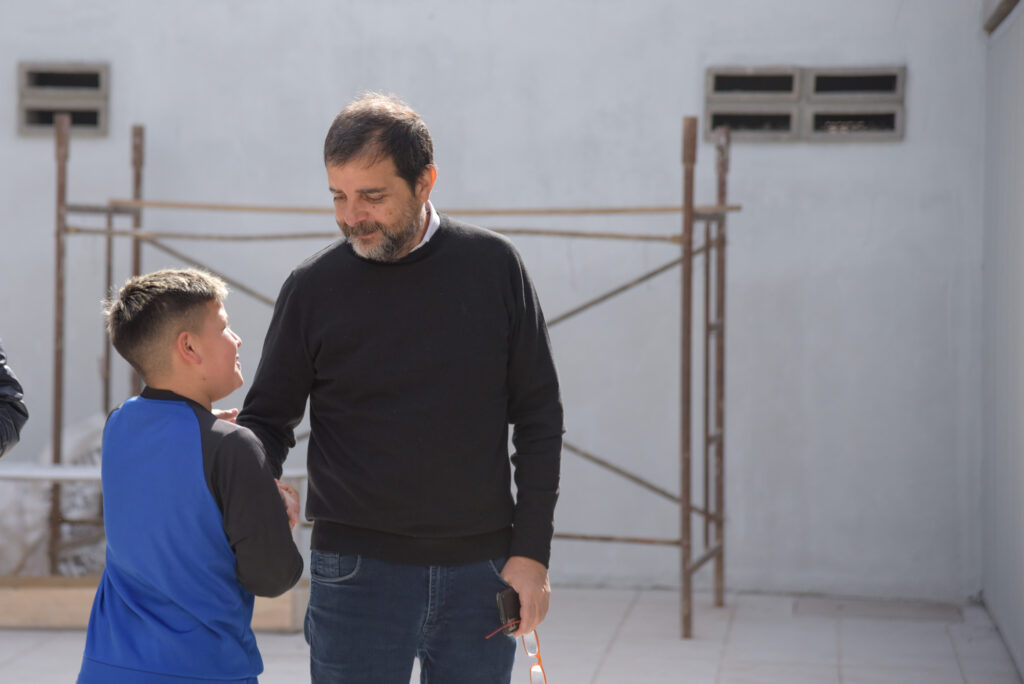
[{"x": 710, "y": 509}]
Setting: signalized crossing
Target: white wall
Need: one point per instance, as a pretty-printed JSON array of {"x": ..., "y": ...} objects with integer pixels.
[
  {"x": 1003, "y": 475},
  {"x": 854, "y": 366},
  {"x": 854, "y": 270}
]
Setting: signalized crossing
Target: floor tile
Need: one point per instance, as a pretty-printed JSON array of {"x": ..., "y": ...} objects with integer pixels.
[
  {"x": 16, "y": 642},
  {"x": 59, "y": 651},
  {"x": 797, "y": 640},
  {"x": 656, "y": 615},
  {"x": 877, "y": 609},
  {"x": 587, "y": 614},
  {"x": 655, "y": 671},
  {"x": 287, "y": 672},
  {"x": 764, "y": 605},
  {"x": 989, "y": 671},
  {"x": 888, "y": 643},
  {"x": 272, "y": 644},
  {"x": 595, "y": 636},
  {"x": 978, "y": 641},
  {"x": 43, "y": 667},
  {"x": 923, "y": 674},
  {"x": 571, "y": 661},
  {"x": 777, "y": 673},
  {"x": 975, "y": 614}
]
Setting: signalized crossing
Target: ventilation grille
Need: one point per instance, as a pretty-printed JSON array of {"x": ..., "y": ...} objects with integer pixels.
[
  {"x": 854, "y": 83},
  {"x": 773, "y": 84},
  {"x": 48, "y": 89},
  {"x": 806, "y": 103}
]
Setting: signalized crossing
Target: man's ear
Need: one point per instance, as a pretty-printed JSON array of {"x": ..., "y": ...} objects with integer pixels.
[
  {"x": 426, "y": 183},
  {"x": 186, "y": 348}
]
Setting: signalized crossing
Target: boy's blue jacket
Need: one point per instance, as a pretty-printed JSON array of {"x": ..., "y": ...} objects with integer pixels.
[{"x": 195, "y": 526}]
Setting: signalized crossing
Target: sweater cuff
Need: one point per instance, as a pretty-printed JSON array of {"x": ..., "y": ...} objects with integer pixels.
[
  {"x": 539, "y": 553},
  {"x": 533, "y": 527}
]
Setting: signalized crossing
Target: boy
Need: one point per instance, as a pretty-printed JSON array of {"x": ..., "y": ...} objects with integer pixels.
[{"x": 194, "y": 521}]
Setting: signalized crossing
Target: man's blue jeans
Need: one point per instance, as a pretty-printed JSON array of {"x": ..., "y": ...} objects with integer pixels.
[{"x": 368, "y": 620}]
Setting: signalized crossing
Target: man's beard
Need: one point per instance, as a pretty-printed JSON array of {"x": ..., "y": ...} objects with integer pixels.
[{"x": 395, "y": 241}]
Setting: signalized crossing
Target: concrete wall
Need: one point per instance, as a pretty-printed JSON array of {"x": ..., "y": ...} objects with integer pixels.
[
  {"x": 1003, "y": 475},
  {"x": 854, "y": 273}
]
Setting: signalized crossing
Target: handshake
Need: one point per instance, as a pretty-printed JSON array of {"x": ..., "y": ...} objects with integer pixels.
[{"x": 290, "y": 497}]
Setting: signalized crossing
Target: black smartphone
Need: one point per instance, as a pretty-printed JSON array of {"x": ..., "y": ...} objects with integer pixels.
[{"x": 508, "y": 609}]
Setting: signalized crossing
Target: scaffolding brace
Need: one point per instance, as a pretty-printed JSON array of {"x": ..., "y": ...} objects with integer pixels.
[{"x": 708, "y": 509}]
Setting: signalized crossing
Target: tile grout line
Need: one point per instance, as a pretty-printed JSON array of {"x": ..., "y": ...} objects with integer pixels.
[
  {"x": 615, "y": 635},
  {"x": 725, "y": 641},
  {"x": 956, "y": 654}
]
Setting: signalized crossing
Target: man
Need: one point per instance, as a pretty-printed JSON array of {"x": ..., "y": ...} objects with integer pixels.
[
  {"x": 417, "y": 341},
  {"x": 13, "y": 413}
]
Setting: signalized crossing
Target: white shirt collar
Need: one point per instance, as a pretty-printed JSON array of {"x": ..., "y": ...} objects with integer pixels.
[{"x": 432, "y": 226}]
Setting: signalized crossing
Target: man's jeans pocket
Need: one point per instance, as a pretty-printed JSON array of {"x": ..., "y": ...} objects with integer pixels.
[
  {"x": 333, "y": 568},
  {"x": 496, "y": 565}
]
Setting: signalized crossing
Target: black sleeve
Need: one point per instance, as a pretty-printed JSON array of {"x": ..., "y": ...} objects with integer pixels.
[
  {"x": 13, "y": 413},
  {"x": 277, "y": 398},
  {"x": 535, "y": 411},
  {"x": 255, "y": 520}
]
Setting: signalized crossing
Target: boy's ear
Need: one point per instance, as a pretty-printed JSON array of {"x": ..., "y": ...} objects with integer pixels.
[{"x": 185, "y": 348}]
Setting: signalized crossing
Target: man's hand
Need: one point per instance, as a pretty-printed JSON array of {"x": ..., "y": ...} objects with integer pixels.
[
  {"x": 530, "y": 580},
  {"x": 291, "y": 502},
  {"x": 226, "y": 414}
]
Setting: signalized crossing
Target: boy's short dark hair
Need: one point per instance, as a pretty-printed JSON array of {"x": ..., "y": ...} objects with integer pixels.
[
  {"x": 380, "y": 126},
  {"x": 150, "y": 310}
]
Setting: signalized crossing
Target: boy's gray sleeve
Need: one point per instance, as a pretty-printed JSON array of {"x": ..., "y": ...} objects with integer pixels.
[
  {"x": 13, "y": 413},
  {"x": 255, "y": 521}
]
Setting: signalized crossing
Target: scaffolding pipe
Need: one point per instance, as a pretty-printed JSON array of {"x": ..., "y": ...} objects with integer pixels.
[
  {"x": 611, "y": 293},
  {"x": 146, "y": 235},
  {"x": 138, "y": 154},
  {"x": 62, "y": 129},
  {"x": 625, "y": 474},
  {"x": 707, "y": 378},
  {"x": 722, "y": 140},
  {"x": 557, "y": 211},
  {"x": 227, "y": 279},
  {"x": 620, "y": 540},
  {"x": 713, "y": 552},
  {"x": 714, "y": 291},
  {"x": 138, "y": 158},
  {"x": 108, "y": 292},
  {"x": 689, "y": 161}
]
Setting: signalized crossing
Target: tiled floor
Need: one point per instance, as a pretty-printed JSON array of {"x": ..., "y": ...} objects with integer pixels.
[{"x": 632, "y": 637}]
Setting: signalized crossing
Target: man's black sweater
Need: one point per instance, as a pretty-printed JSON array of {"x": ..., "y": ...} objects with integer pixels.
[{"x": 414, "y": 370}]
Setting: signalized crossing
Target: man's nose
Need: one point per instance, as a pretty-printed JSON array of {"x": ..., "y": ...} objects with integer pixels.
[{"x": 355, "y": 212}]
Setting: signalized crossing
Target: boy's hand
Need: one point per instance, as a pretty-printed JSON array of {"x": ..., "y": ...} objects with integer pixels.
[
  {"x": 291, "y": 501},
  {"x": 226, "y": 414}
]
